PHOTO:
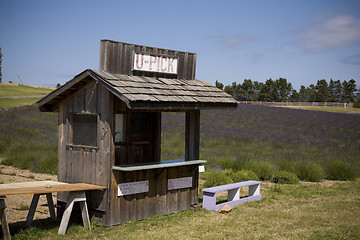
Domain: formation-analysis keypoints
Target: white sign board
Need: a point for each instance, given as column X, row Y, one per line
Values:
column 133, row 188
column 154, row 63
column 178, row 183
column 202, row 168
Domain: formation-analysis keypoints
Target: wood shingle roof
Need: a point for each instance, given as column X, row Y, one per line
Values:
column 140, row 92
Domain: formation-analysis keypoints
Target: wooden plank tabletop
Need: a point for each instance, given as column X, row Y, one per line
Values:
column 41, row 188
column 29, row 184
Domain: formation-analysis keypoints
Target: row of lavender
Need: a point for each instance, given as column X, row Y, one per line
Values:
column 233, row 138
column 28, row 139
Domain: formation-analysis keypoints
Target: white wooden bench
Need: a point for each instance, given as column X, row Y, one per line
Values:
column 234, row 199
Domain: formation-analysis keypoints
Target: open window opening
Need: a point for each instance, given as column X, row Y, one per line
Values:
column 172, row 136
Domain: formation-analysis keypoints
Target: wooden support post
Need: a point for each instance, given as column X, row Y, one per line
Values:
column 192, row 135
column 4, row 222
column 34, row 203
column 74, row 197
column 51, row 206
column 32, row 209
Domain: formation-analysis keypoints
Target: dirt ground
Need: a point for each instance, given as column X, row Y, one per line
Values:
column 17, row 206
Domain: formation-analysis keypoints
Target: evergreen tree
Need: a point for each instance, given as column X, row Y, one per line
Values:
column 349, row 89
column 0, row 66
column 219, row 85
column 295, row 96
column 284, row 89
column 246, row 90
column 321, row 91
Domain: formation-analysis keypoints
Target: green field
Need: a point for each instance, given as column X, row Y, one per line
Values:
column 22, row 90
column 8, row 91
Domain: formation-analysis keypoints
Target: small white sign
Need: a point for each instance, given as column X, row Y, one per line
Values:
column 178, row 183
column 154, row 63
column 133, row 188
column 202, row 168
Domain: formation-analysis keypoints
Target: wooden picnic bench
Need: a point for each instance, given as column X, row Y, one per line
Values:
column 76, row 194
column 234, row 199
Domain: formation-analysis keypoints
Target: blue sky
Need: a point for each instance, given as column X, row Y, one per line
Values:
column 49, row 42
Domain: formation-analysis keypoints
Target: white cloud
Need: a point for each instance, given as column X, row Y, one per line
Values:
column 330, row 33
column 353, row 60
column 236, row 40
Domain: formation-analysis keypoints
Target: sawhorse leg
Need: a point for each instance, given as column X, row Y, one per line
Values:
column 74, row 197
column 4, row 222
column 33, row 206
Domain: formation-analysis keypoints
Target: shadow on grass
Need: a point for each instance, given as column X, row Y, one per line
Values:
column 39, row 225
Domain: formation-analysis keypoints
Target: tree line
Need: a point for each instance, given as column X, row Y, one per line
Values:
column 280, row 90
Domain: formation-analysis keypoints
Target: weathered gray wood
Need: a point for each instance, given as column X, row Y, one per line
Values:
column 117, row 57
column 194, row 172
column 152, row 194
column 135, row 89
column 157, row 165
column 106, row 153
column 192, row 135
column 183, row 201
column 117, row 89
column 161, row 190
column 4, row 221
column 140, row 198
column 172, row 198
column 74, row 197
column 85, row 214
column 91, row 97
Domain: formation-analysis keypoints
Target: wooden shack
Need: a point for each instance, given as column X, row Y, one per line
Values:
column 110, row 130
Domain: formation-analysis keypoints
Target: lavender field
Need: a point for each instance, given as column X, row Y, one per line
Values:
column 28, row 139
column 229, row 138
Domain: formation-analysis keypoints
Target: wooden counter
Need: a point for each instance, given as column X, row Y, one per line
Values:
column 157, row 165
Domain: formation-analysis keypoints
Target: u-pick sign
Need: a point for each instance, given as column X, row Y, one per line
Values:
column 154, row 63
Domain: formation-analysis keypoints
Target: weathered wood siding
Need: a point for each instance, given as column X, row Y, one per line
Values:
column 158, row 200
column 118, row 57
column 87, row 164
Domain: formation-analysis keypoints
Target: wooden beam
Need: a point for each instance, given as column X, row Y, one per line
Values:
column 192, row 135
column 4, row 221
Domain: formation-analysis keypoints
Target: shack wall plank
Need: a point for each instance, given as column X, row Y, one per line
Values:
column 172, row 195
column 152, row 194
column 161, row 181
column 182, row 194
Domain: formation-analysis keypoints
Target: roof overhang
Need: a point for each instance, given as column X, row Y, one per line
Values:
column 151, row 93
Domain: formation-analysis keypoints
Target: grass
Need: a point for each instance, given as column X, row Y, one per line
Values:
column 22, row 90
column 303, row 211
column 328, row 109
column 6, row 103
column 28, row 139
column 9, row 90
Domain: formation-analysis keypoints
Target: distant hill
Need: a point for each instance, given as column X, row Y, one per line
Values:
column 10, row 89
column 16, row 95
